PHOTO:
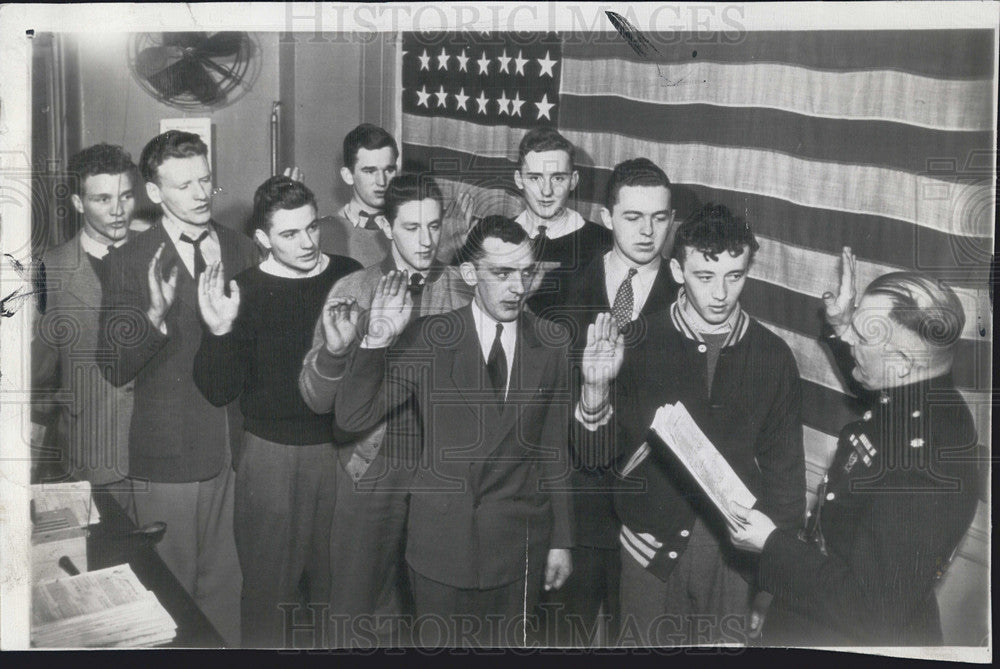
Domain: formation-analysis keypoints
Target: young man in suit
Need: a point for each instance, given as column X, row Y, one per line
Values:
column 357, row 229
column 92, row 429
column 546, row 176
column 681, row 581
column 372, row 492
column 180, row 445
column 252, row 350
column 900, row 493
column 487, row 525
column 632, row 281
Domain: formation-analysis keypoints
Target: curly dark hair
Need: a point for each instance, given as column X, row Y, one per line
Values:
column 711, row 230
column 100, row 159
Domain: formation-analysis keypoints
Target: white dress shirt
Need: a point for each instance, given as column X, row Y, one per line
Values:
column 210, row 249
column 96, row 249
column 486, row 329
column 352, row 212
column 615, row 271
column 563, row 224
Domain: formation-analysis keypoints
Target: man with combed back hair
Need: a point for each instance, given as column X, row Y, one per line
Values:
column 181, row 446
column 901, row 490
column 252, row 350
column 92, row 429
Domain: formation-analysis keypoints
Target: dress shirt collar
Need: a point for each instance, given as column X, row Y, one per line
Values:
column 566, row 222
column 486, row 329
column 616, row 269
column 352, row 212
column 175, row 229
column 97, row 249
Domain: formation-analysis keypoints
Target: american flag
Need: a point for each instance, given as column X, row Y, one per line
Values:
column 880, row 140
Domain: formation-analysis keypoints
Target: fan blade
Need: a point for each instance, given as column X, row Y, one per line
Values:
column 201, row 84
column 185, row 40
column 171, row 81
column 150, row 61
column 222, row 44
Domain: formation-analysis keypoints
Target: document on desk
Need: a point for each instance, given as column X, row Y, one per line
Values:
column 74, row 495
column 108, row 607
column 678, row 430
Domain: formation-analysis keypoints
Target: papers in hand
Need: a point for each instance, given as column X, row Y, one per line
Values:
column 675, row 426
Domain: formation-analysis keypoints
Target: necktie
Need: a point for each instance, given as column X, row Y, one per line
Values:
column 541, row 232
column 369, row 220
column 416, row 288
column 497, row 367
column 624, row 301
column 199, row 259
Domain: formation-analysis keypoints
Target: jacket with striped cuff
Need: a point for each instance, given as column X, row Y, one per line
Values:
column 752, row 417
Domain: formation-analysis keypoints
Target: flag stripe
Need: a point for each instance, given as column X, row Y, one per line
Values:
column 945, row 54
column 889, row 243
column 803, row 314
column 932, row 203
column 893, row 146
column 809, row 271
column 869, row 95
column 860, row 189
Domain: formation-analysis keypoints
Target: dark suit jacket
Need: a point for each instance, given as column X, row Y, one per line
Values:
column 176, row 434
column 484, row 498
column 593, row 500
column 92, row 422
column 889, row 524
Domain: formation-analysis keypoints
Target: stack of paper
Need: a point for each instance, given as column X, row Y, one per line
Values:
column 74, row 496
column 675, row 426
column 104, row 608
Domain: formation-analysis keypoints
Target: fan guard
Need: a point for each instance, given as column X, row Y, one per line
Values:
column 195, row 71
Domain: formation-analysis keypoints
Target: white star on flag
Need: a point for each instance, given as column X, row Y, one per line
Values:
column 484, row 63
column 546, row 64
column 482, row 101
column 443, row 60
column 441, row 96
column 425, row 61
column 519, row 63
column 504, row 102
column 422, row 96
column 515, row 104
column 504, row 61
column 462, row 60
column 460, row 99
column 544, row 107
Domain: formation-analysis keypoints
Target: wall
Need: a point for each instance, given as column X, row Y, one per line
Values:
column 339, row 81
column 327, row 85
column 117, row 110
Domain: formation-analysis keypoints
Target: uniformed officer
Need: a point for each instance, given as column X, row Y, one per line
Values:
column 902, row 488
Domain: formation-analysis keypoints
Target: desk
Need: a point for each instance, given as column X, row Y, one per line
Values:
column 111, row 543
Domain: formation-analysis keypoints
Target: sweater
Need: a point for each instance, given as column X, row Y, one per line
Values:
column 567, row 256
column 259, row 360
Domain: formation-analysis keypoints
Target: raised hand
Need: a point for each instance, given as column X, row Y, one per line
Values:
column 161, row 291
column 392, row 305
column 602, row 359
column 340, row 324
column 294, row 173
column 840, row 307
column 466, row 208
column 217, row 310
